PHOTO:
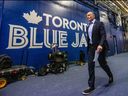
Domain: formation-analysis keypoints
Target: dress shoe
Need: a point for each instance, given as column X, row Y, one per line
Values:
column 110, row 81
column 88, row 90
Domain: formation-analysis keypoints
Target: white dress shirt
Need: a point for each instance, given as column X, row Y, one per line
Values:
column 90, row 28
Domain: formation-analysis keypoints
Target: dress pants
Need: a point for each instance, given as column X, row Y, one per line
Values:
column 91, row 64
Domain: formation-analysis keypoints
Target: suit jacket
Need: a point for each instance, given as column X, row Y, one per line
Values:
column 98, row 35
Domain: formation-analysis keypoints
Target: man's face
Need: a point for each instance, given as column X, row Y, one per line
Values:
column 90, row 16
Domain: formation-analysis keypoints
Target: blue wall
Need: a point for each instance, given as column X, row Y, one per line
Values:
column 1, row 7
column 114, row 33
column 17, row 35
column 28, row 29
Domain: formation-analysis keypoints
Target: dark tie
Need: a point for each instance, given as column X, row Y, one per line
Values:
column 90, row 23
column 90, row 32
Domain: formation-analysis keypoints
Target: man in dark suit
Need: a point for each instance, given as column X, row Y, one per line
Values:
column 97, row 45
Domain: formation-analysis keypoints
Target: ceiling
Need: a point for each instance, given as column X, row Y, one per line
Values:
column 118, row 6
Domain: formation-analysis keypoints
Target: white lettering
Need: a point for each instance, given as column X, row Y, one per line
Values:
column 54, row 21
column 59, row 22
column 73, row 25
column 17, row 37
column 46, row 38
column 65, row 23
column 76, row 44
column 54, row 36
column 48, row 16
column 85, row 26
column 80, row 26
column 83, row 41
column 63, row 39
column 33, row 43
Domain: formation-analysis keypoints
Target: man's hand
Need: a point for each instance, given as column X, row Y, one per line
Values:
column 99, row 48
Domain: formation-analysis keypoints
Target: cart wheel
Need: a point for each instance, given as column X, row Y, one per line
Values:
column 3, row 82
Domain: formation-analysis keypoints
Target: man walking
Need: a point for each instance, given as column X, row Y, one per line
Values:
column 97, row 44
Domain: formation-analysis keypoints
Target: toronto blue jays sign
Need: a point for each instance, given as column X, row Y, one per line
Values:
column 29, row 28
column 20, row 33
